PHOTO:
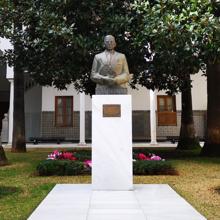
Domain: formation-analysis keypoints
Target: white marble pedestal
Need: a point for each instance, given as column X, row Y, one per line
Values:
column 111, row 144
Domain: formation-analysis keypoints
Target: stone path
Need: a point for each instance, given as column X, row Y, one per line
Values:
column 145, row 202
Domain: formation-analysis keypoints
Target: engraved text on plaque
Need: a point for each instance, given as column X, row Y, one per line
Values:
column 111, row 110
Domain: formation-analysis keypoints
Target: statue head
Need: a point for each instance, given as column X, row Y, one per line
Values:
column 109, row 42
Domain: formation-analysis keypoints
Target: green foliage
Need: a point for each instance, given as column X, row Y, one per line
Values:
column 179, row 37
column 75, row 168
column 146, row 167
column 82, row 155
column 60, row 168
column 72, row 168
column 59, row 40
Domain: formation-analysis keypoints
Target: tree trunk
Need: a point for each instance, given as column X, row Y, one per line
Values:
column 18, row 142
column 187, row 138
column 3, row 158
column 212, row 142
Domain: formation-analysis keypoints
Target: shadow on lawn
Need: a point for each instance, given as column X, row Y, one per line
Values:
column 8, row 190
column 218, row 190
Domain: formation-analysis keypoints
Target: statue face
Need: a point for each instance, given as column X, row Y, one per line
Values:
column 109, row 42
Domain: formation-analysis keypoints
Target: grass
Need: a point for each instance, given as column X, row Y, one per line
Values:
column 21, row 190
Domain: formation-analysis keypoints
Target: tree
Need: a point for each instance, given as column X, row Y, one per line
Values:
column 210, row 53
column 199, row 21
column 11, row 23
column 61, row 39
column 172, row 55
column 55, row 41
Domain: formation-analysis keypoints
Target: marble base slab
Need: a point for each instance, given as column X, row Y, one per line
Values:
column 145, row 202
column 112, row 143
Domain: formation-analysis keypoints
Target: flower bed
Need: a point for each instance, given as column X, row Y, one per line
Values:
column 79, row 163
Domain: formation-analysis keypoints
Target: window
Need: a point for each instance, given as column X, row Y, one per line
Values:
column 63, row 111
column 166, row 110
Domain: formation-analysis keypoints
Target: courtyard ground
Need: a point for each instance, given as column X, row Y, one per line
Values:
column 21, row 190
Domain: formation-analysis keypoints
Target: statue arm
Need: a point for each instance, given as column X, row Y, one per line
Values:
column 95, row 76
column 124, row 76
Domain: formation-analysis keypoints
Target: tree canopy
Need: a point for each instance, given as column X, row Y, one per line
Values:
column 182, row 37
column 172, row 33
column 59, row 38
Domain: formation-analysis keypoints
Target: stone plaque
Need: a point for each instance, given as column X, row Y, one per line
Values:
column 111, row 110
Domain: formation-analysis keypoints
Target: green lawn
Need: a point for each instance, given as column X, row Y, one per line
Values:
column 21, row 190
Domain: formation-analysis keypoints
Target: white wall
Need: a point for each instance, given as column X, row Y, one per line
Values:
column 140, row 97
column 49, row 93
column 4, row 45
column 199, row 91
column 33, row 99
column 33, row 111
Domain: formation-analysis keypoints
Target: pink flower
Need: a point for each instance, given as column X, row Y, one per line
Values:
column 88, row 163
column 142, row 156
column 56, row 152
column 56, row 155
column 67, row 156
column 154, row 157
column 51, row 157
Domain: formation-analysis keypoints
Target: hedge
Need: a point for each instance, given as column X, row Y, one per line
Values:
column 61, row 168
column 71, row 168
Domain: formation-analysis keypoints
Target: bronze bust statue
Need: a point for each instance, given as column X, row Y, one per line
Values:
column 110, row 70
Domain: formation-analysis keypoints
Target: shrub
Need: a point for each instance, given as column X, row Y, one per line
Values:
column 148, row 167
column 82, row 155
column 75, row 168
column 71, row 168
column 61, row 168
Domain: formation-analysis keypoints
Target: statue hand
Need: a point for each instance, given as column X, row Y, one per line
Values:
column 107, row 71
column 108, row 80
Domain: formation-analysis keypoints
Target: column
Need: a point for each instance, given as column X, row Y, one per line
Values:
column 82, row 119
column 153, row 122
column 11, row 111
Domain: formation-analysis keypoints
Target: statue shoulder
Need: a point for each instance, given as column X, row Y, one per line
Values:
column 120, row 54
column 100, row 55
